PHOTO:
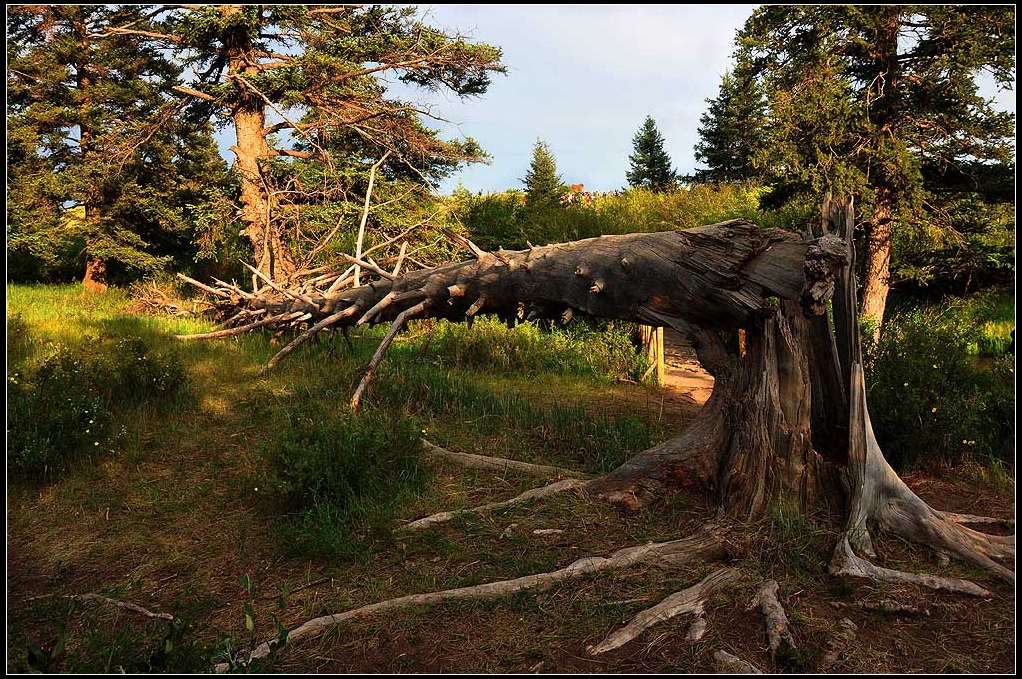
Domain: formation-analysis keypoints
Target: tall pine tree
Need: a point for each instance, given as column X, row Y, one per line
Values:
column 650, row 165
column 99, row 150
column 883, row 102
column 732, row 130
column 295, row 81
column 543, row 185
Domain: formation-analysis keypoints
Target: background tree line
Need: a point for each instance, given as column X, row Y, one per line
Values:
column 114, row 171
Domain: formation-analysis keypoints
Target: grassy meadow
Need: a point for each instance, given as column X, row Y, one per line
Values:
column 171, row 474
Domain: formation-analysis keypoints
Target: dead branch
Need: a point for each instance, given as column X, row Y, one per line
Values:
column 686, row 602
column 365, row 212
column 125, row 605
column 702, row 545
column 399, row 323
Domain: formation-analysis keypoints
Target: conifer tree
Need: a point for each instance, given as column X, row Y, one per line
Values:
column 882, row 102
column 301, row 81
column 543, row 186
column 98, row 147
column 731, row 130
column 650, row 165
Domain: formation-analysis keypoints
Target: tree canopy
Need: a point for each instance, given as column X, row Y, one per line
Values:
column 101, row 163
column 882, row 102
column 732, row 130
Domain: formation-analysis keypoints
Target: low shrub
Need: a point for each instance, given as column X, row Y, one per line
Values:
column 602, row 350
column 64, row 409
column 929, row 399
column 506, row 220
column 344, row 480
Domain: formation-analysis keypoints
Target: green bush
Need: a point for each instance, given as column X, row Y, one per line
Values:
column 505, row 220
column 64, row 410
column 344, row 480
column 929, row 400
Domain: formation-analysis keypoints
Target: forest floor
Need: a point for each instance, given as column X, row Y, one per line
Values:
column 173, row 521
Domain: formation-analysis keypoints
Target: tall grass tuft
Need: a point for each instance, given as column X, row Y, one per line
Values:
column 344, row 479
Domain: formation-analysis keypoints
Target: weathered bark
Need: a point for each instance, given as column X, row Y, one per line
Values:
column 751, row 444
column 94, row 279
column 272, row 256
column 877, row 270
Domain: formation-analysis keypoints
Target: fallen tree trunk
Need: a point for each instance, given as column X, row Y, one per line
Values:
column 787, row 417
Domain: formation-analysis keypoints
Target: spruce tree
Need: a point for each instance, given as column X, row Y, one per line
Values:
column 99, row 149
column 543, row 186
column 881, row 102
column 650, row 165
column 731, row 130
column 299, row 82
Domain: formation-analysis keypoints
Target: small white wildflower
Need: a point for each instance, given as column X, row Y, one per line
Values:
column 96, row 443
column 933, row 410
column 905, row 385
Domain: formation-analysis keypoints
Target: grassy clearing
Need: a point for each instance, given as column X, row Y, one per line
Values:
column 222, row 502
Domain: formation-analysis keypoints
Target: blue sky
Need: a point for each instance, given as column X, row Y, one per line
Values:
column 583, row 78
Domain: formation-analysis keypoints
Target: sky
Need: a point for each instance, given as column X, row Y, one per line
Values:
column 583, row 78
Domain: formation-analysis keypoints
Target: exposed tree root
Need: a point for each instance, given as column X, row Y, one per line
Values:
column 702, row 545
column 686, row 602
column 499, row 464
column 529, row 495
column 977, row 520
column 888, row 606
column 846, row 563
column 779, row 637
column 880, row 496
column 730, row 664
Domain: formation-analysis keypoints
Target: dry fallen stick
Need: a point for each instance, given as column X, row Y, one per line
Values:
column 99, row 598
column 688, row 601
column 702, row 545
column 778, row 635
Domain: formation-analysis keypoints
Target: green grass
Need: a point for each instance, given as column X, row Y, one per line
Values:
column 298, row 417
column 220, row 504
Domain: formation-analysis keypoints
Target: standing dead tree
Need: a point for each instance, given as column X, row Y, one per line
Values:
column 787, row 418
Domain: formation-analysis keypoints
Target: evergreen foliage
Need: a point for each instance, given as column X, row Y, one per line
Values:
column 650, row 165
column 543, row 186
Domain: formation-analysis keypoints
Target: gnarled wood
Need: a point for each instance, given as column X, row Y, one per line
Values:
column 703, row 545
column 688, row 601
